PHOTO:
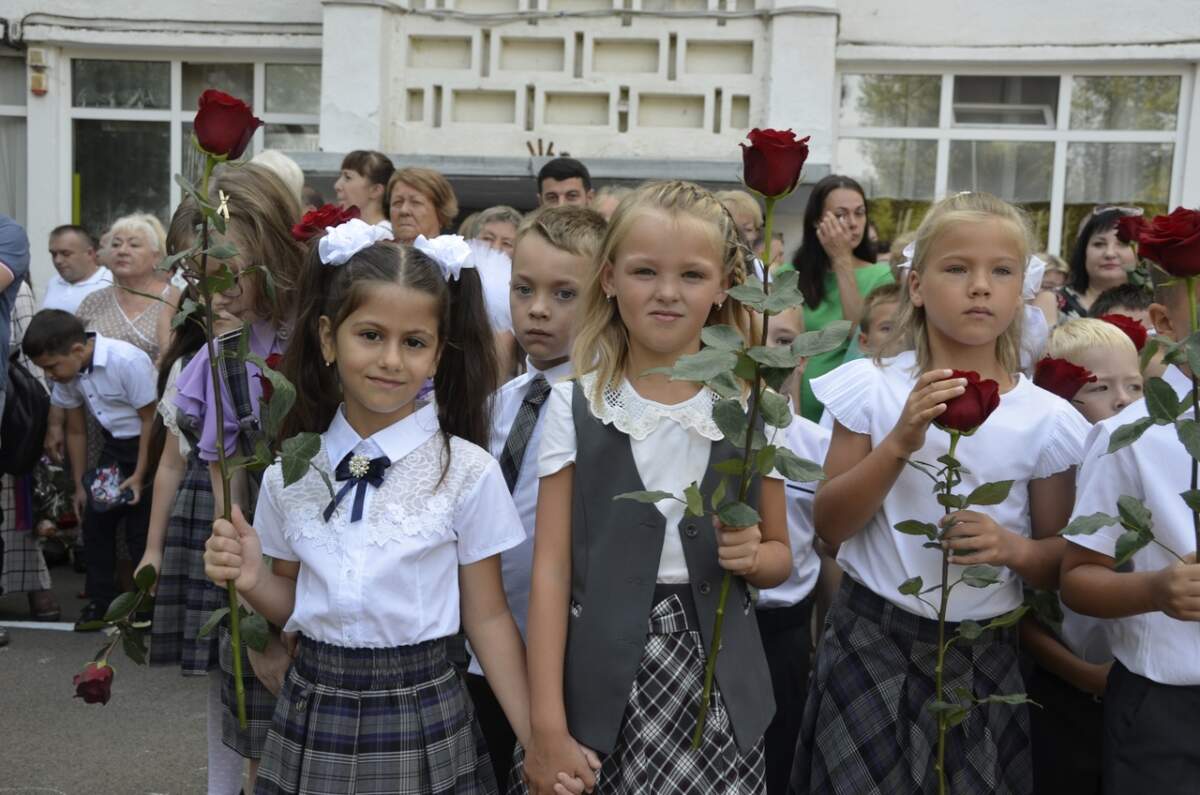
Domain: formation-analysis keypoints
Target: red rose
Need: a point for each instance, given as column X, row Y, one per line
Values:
column 224, row 124
column 1129, row 228
column 1061, row 377
column 94, row 683
column 771, row 163
column 967, row 412
column 1173, row 241
column 314, row 222
column 267, row 388
column 1135, row 330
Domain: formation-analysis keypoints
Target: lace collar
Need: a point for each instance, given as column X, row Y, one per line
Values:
column 630, row 413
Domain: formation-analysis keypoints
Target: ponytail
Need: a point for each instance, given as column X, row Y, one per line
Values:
column 466, row 373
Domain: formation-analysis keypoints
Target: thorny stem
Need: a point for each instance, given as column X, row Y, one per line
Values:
column 938, row 684
column 1191, row 290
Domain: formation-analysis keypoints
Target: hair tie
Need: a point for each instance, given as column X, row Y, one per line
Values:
column 450, row 252
column 343, row 241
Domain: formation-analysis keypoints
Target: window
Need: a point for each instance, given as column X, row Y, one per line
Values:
column 1055, row 144
column 128, row 111
column 12, row 137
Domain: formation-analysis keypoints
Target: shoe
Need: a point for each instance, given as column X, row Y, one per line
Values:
column 3, row 637
column 43, row 606
column 93, row 611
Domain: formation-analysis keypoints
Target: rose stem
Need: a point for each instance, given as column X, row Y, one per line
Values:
column 941, row 649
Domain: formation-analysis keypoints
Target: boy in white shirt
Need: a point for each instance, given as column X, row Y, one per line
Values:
column 552, row 260
column 1152, row 701
column 116, row 381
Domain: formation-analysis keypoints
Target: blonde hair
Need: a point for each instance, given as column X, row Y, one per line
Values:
column 1053, row 262
column 469, row 227
column 883, row 294
column 144, row 223
column 617, row 192
column 602, row 342
column 575, row 230
column 285, row 168
column 1076, row 337
column 501, row 213
column 911, row 324
column 739, row 201
column 435, row 187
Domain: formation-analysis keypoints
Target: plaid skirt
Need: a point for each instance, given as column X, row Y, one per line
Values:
column 186, row 597
column 374, row 721
column 654, row 751
column 867, row 727
column 260, row 702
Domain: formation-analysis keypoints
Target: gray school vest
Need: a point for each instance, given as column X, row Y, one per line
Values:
column 615, row 547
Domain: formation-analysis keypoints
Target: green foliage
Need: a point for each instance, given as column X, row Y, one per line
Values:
column 708, row 363
column 723, row 337
column 989, row 493
column 829, row 338
column 1188, row 432
column 144, row 578
column 1129, row 433
column 797, row 469
column 255, row 632
column 649, row 497
column 296, row 455
column 1161, row 403
column 912, row 586
column 121, row 607
column 695, row 502
column 749, row 293
column 1087, row 525
column 185, row 311
column 283, row 395
column 737, row 514
column 914, row 528
column 775, row 409
column 214, row 618
column 980, row 576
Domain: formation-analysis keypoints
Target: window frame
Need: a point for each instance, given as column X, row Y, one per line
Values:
column 20, row 112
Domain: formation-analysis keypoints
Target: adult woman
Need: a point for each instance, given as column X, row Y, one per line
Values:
column 1098, row 261
column 420, row 202
column 498, row 227
column 836, row 268
column 363, row 183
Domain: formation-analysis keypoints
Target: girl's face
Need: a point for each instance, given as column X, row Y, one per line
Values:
column 849, row 208
column 384, row 351
column 1118, row 383
column 499, row 235
column 1053, row 280
column 1108, row 259
column 970, row 283
column 782, row 331
column 355, row 190
column 665, row 276
column 133, row 256
column 240, row 298
column 750, row 228
column 412, row 214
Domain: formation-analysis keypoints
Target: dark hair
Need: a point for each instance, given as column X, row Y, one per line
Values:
column 52, row 332
column 310, row 195
column 188, row 337
column 1123, row 296
column 1098, row 224
column 564, row 168
column 375, row 166
column 466, row 373
column 63, row 229
column 810, row 261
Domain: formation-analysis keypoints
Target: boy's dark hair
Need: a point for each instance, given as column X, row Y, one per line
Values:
column 63, row 229
column 564, row 168
column 1123, row 296
column 52, row 332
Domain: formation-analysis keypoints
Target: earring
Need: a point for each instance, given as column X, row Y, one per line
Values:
column 329, row 363
column 609, row 296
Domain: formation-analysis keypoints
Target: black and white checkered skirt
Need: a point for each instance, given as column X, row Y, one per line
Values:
column 374, row 721
column 654, row 751
column 867, row 727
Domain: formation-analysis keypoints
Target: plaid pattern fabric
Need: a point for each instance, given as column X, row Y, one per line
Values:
column 260, row 702
column 866, row 727
column 374, row 721
column 654, row 752
column 24, row 567
column 237, row 381
column 522, row 429
column 186, row 597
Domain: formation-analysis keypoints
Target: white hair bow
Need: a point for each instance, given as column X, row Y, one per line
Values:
column 450, row 252
column 1035, row 268
column 343, row 241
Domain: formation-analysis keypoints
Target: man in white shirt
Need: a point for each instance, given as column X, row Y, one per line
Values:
column 552, row 259
column 79, row 271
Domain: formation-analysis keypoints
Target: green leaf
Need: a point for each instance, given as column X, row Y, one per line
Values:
column 1006, row 698
column 186, row 310
column 765, row 461
column 949, row 461
column 1161, row 403
column 1134, row 515
column 745, row 367
column 700, row 367
column 169, row 263
column 1009, row 618
column 776, row 377
column 784, row 293
column 255, row 632
column 797, row 469
column 718, row 495
column 731, row 418
column 952, row 501
column 221, row 281
column 773, row 356
column 190, row 190
column 749, row 293
column 723, row 337
column 912, row 586
column 730, row 466
column 649, row 497
column 1192, row 498
column 914, row 528
column 1129, row 543
column 223, row 250
column 775, row 409
column 283, row 395
column 695, row 502
column 1192, row 350
column 980, row 576
column 1189, row 434
column 133, row 641
column 1089, row 524
column 737, row 514
column 296, row 454
column 145, row 578
column 121, row 607
column 725, row 385
column 1153, row 345
column 970, row 630
column 214, row 618
column 1128, row 434
column 989, row 493
column 91, row 626
column 829, row 338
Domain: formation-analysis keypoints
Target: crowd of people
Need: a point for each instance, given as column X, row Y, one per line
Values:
column 481, row 402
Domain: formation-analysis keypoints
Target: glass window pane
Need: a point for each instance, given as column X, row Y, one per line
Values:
column 191, row 159
column 232, row 78
column 12, row 81
column 1132, row 175
column 293, row 137
column 1005, row 100
column 1016, row 172
column 133, row 173
column 121, row 84
column 891, row 100
column 1125, row 103
column 293, row 88
column 897, row 176
column 12, row 167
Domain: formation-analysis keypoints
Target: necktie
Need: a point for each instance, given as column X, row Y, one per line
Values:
column 358, row 471
column 522, row 430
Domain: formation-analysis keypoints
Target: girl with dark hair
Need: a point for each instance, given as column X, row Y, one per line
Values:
column 1099, row 261
column 836, row 266
column 362, row 183
column 392, row 533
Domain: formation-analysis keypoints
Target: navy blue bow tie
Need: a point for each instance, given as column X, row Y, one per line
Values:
column 358, row 471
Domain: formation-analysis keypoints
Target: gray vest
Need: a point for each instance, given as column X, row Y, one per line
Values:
column 615, row 548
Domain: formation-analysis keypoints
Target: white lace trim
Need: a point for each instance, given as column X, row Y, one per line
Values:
column 638, row 417
column 410, row 504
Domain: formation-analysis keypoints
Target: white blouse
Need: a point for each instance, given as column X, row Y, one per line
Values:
column 390, row 579
column 170, row 412
column 1033, row 434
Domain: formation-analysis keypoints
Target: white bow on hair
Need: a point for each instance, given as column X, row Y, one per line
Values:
column 1035, row 268
column 450, row 252
column 343, row 241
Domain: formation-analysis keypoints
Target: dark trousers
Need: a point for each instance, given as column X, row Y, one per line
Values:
column 1067, row 733
column 100, row 527
column 496, row 732
column 787, row 642
column 1151, row 736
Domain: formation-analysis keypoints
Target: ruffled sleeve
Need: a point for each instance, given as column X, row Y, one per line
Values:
column 195, row 396
column 1065, row 442
column 848, row 392
column 557, row 448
